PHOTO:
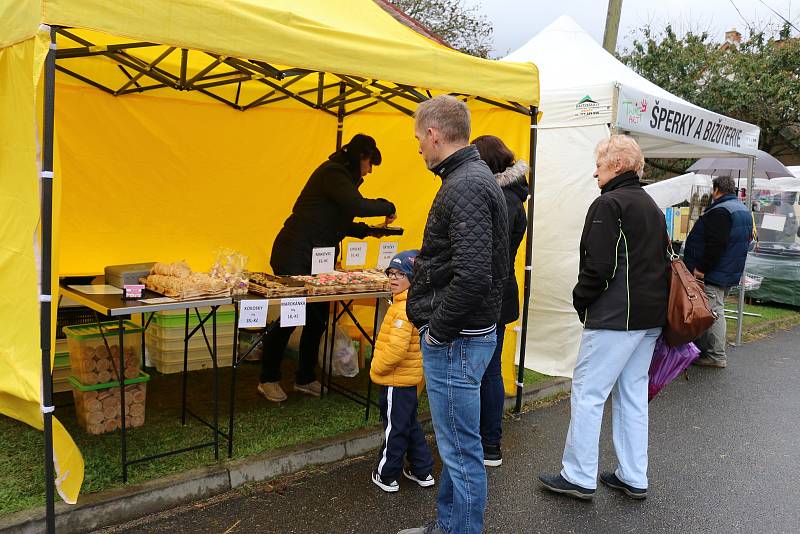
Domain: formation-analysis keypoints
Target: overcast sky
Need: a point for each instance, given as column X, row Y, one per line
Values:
column 516, row 21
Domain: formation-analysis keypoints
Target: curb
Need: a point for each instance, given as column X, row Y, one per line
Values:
column 120, row 505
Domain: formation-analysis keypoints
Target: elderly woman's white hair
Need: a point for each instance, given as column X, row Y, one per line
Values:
column 621, row 149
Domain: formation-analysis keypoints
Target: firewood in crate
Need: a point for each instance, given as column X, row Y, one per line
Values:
column 90, row 364
column 137, row 420
column 104, row 376
column 92, row 405
column 95, row 417
column 96, row 429
column 87, row 353
column 131, row 372
column 138, row 396
column 137, row 409
column 103, row 364
column 110, row 425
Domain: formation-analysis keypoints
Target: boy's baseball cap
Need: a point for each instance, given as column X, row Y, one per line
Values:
column 404, row 262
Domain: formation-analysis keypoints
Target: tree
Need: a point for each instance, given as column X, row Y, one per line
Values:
column 756, row 81
column 462, row 27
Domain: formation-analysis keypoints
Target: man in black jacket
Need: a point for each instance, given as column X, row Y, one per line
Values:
column 621, row 298
column 455, row 300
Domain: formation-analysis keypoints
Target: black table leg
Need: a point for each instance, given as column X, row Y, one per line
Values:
column 123, row 424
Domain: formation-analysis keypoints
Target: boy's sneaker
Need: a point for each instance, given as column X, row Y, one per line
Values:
column 559, row 484
column 612, row 481
column 425, row 482
column 312, row 388
column 387, row 486
column 272, row 391
column 492, row 455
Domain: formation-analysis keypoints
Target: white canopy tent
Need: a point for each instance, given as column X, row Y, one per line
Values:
column 674, row 191
column 586, row 95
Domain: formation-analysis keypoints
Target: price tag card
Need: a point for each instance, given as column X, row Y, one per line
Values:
column 323, row 260
column 388, row 250
column 253, row 313
column 293, row 311
column 356, row 253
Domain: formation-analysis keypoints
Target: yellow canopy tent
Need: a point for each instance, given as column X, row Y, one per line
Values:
column 180, row 127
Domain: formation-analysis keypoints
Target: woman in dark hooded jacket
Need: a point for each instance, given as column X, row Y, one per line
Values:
column 511, row 175
column 321, row 217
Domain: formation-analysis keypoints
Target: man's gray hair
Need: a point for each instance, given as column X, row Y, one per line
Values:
column 724, row 184
column 448, row 115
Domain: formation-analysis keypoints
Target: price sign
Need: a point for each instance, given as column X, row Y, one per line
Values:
column 388, row 250
column 356, row 253
column 293, row 311
column 323, row 260
column 253, row 313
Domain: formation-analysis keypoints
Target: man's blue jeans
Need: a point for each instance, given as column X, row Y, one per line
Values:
column 617, row 363
column 453, row 374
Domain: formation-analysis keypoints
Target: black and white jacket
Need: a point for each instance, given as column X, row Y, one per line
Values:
column 623, row 281
column 461, row 270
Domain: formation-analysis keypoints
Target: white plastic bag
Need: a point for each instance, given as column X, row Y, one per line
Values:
column 344, row 358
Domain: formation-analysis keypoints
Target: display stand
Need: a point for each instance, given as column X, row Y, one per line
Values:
column 346, row 300
column 115, row 306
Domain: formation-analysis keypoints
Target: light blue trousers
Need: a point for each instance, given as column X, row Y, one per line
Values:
column 617, row 363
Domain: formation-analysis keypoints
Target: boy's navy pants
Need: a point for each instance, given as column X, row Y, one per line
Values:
column 402, row 434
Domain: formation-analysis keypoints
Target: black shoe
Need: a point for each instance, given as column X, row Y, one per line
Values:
column 559, row 484
column 492, row 455
column 611, row 480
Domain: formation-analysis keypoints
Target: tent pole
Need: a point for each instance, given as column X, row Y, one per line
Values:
column 340, row 116
column 740, row 311
column 45, row 297
column 528, row 261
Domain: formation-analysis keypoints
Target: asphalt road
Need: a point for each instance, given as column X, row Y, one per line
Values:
column 723, row 458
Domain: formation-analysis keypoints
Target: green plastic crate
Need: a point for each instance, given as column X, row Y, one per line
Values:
column 177, row 318
column 143, row 377
column 111, row 328
column 61, row 360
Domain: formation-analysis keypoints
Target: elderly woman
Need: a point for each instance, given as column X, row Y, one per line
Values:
column 621, row 299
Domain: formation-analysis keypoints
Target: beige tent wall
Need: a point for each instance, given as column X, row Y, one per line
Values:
column 564, row 189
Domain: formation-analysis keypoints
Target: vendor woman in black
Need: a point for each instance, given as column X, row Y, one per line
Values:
column 322, row 216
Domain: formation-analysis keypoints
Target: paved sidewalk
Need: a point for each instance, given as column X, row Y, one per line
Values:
column 724, row 458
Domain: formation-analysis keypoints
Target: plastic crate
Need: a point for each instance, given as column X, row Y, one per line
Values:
column 177, row 318
column 173, row 333
column 61, row 372
column 98, row 406
column 197, row 341
column 90, row 359
column 168, row 362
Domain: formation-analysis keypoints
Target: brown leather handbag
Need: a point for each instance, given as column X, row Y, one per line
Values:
column 688, row 311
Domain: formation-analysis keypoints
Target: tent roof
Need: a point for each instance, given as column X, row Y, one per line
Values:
column 569, row 57
column 581, row 84
column 353, row 37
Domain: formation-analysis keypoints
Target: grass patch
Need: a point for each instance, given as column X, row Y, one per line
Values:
column 260, row 426
column 772, row 318
column 531, row 377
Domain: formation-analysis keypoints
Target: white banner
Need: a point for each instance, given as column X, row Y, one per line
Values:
column 643, row 113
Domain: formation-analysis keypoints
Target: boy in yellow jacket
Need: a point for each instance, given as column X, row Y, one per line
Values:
column 397, row 368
